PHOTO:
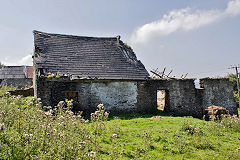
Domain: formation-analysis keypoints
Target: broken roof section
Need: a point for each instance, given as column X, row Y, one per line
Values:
column 87, row 57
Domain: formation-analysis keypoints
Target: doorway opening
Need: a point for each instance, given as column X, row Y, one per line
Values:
column 161, row 99
column 71, row 96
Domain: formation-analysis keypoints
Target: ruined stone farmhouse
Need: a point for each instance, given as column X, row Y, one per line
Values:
column 16, row 76
column 92, row 70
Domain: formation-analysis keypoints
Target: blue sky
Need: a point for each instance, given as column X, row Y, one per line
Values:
column 198, row 37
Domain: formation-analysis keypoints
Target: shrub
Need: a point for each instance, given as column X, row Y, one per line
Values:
column 191, row 128
column 29, row 132
column 231, row 122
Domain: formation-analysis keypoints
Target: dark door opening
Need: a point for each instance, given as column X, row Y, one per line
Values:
column 161, row 99
column 73, row 96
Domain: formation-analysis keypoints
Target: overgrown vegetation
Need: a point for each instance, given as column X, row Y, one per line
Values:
column 233, row 80
column 4, row 89
column 30, row 131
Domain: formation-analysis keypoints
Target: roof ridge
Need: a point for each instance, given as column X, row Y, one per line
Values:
column 35, row 32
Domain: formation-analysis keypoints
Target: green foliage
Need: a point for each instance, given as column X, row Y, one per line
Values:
column 30, row 131
column 232, row 122
column 191, row 128
column 233, row 80
column 235, row 94
column 1, row 65
column 4, row 89
column 57, row 76
column 129, row 47
column 50, row 76
column 68, row 100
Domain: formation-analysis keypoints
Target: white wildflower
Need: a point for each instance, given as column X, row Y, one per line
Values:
column 61, row 124
column 114, row 135
column 106, row 114
column 48, row 113
column 2, row 126
column 100, row 106
column 61, row 118
column 92, row 154
column 82, row 144
column 60, row 135
column 27, row 136
column 40, row 111
column 69, row 113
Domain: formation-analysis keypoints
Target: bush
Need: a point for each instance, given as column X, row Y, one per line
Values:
column 231, row 122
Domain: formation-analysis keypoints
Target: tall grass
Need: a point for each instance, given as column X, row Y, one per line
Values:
column 29, row 130
column 4, row 89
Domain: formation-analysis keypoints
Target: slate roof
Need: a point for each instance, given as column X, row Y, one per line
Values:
column 87, row 57
column 8, row 72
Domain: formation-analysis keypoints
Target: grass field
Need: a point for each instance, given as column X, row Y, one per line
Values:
column 30, row 132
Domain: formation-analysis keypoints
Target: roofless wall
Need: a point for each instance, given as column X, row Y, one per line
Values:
column 139, row 96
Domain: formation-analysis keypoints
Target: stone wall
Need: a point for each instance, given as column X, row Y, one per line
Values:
column 24, row 92
column 121, row 96
column 117, row 96
column 218, row 92
column 18, row 82
column 181, row 96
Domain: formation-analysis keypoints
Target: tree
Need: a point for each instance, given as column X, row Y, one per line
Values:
column 1, row 65
column 233, row 80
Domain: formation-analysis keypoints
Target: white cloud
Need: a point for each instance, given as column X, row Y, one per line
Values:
column 233, row 7
column 183, row 19
column 27, row 60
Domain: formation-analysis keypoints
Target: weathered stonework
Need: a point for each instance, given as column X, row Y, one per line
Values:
column 181, row 96
column 117, row 96
column 218, row 92
column 17, row 82
column 140, row 96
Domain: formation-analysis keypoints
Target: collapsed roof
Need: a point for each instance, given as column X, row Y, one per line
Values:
column 87, row 57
